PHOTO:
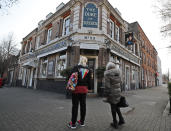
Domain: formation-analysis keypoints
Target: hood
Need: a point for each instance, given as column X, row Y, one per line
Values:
column 112, row 72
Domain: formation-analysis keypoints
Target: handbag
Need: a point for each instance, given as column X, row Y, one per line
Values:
column 123, row 102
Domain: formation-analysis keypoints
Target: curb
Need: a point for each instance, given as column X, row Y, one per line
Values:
column 166, row 110
column 127, row 110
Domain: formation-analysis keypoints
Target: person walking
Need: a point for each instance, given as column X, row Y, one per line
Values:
column 80, row 92
column 112, row 86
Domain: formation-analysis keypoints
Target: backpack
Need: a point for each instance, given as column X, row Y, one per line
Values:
column 72, row 82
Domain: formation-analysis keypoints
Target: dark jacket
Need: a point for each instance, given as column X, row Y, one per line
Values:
column 112, row 83
column 84, row 79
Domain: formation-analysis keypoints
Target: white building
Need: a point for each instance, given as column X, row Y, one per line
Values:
column 159, row 71
column 80, row 27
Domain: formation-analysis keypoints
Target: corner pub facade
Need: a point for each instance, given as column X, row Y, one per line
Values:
column 91, row 28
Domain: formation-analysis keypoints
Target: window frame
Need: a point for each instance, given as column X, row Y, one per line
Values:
column 50, row 71
column 66, row 27
column 111, row 25
column 49, row 35
column 43, row 61
column 117, row 33
column 38, row 42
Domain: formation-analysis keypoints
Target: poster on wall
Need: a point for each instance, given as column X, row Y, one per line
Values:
column 129, row 38
column 90, row 16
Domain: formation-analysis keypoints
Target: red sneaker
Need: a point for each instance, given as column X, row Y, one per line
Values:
column 80, row 123
column 72, row 126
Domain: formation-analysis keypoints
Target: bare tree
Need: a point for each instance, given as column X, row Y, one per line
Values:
column 7, row 51
column 165, row 12
column 6, row 4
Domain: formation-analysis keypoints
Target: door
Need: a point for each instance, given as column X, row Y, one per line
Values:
column 91, row 65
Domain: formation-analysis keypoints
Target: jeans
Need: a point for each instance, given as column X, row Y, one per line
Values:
column 76, row 99
column 114, row 110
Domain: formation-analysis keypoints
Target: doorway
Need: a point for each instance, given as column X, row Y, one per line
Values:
column 91, row 65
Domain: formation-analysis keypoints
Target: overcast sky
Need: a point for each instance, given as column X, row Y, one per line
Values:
column 24, row 17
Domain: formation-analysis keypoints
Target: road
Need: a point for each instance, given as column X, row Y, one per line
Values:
column 24, row 109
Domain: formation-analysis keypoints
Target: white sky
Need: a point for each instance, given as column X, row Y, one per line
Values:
column 24, row 17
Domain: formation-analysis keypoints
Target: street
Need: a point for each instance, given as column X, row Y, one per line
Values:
column 24, row 109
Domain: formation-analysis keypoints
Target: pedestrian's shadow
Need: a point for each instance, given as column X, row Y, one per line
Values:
column 110, row 128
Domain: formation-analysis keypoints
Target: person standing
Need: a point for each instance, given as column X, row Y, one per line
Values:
column 80, row 92
column 112, row 86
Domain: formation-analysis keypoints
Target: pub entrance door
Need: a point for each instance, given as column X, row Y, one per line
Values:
column 91, row 65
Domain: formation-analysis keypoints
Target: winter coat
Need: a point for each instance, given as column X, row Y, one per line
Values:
column 112, row 84
column 84, row 79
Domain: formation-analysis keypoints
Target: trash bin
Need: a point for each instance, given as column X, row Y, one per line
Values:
column 101, row 91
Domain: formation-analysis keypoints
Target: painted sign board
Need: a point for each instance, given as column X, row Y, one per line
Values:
column 90, row 16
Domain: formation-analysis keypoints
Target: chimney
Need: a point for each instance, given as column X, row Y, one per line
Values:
column 60, row 6
column 49, row 15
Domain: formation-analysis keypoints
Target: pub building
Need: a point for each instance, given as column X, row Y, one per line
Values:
column 91, row 28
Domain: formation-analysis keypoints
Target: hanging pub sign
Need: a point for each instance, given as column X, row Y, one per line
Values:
column 90, row 16
column 129, row 39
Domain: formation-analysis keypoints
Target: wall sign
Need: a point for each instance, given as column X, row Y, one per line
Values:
column 124, row 53
column 53, row 47
column 90, row 16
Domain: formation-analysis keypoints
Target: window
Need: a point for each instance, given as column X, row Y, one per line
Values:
column 37, row 41
column 133, row 75
column 111, row 29
column 23, row 49
column 66, row 25
column 26, row 47
column 144, row 59
column 117, row 33
column 60, row 65
column 49, row 34
column 50, row 68
column 142, row 41
column 30, row 46
column 44, row 67
column 20, row 73
column 142, row 73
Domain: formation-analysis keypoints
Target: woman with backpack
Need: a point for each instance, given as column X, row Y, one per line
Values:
column 79, row 93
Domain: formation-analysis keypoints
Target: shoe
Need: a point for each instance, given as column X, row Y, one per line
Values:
column 121, row 122
column 115, row 125
column 72, row 126
column 80, row 123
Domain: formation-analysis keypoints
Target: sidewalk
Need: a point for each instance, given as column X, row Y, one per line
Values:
column 22, row 109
